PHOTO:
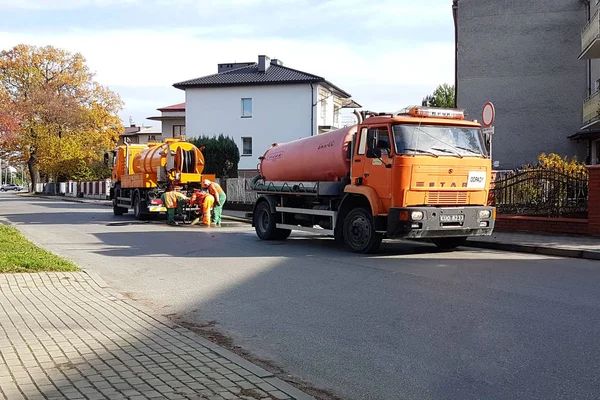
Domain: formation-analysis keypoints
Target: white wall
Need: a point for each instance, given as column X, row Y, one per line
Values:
column 280, row 113
column 325, row 96
column 167, row 127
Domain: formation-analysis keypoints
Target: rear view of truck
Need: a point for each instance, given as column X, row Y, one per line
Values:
column 142, row 173
column 422, row 173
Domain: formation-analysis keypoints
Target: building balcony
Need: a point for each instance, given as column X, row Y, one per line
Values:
column 591, row 111
column 590, row 38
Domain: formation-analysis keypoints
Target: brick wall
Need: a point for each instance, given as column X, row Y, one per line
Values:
column 519, row 223
column 576, row 226
column 594, row 200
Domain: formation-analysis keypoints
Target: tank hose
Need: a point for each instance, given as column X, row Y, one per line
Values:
column 254, row 181
column 188, row 164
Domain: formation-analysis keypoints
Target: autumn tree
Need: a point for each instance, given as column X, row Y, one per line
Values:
column 66, row 120
column 443, row 96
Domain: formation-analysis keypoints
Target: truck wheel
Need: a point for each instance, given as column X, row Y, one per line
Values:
column 359, row 232
column 449, row 243
column 116, row 209
column 137, row 207
column 264, row 224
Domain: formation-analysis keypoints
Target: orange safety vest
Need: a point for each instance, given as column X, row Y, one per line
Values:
column 171, row 199
column 215, row 189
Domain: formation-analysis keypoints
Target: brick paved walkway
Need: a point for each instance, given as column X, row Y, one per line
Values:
column 66, row 336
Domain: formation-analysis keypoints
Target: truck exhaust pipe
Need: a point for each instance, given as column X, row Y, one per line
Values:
column 359, row 118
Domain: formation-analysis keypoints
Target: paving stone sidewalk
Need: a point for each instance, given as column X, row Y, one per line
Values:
column 67, row 336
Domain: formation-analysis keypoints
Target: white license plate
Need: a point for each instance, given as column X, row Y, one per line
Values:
column 452, row 218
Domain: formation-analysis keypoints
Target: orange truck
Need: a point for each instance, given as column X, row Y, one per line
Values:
column 142, row 173
column 422, row 173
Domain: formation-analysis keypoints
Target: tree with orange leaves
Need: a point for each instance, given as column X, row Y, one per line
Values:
column 65, row 119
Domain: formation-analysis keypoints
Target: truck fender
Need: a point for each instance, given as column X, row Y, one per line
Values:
column 368, row 192
column 271, row 200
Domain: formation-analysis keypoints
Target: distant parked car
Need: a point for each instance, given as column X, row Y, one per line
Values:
column 11, row 186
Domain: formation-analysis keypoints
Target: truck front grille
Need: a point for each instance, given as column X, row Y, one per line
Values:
column 449, row 197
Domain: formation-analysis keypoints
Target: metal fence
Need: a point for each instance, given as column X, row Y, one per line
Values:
column 542, row 191
column 236, row 191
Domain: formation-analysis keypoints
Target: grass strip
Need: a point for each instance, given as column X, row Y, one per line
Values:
column 17, row 254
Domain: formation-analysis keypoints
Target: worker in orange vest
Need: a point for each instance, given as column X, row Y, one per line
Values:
column 171, row 201
column 219, row 194
column 204, row 201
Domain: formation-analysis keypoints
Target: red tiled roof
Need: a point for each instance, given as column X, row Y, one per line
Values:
column 174, row 107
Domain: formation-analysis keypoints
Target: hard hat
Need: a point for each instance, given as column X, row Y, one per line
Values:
column 207, row 182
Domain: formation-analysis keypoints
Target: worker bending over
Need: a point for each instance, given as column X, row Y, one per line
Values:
column 171, row 200
column 204, row 201
column 220, row 198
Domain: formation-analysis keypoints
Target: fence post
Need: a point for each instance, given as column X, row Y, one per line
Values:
column 594, row 200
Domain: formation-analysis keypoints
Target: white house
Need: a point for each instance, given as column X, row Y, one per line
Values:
column 259, row 103
column 140, row 134
column 172, row 119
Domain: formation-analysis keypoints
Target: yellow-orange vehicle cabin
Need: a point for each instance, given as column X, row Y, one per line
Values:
column 423, row 173
column 142, row 173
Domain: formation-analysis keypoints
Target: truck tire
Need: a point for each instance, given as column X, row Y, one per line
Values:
column 137, row 207
column 449, row 243
column 264, row 224
column 359, row 232
column 116, row 209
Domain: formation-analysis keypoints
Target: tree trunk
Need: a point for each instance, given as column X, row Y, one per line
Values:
column 34, row 173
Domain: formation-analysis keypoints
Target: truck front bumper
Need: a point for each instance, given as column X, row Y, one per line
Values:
column 434, row 222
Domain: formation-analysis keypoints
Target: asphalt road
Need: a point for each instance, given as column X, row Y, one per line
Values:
column 409, row 323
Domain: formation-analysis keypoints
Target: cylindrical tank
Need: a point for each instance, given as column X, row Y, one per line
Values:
column 316, row 158
column 149, row 160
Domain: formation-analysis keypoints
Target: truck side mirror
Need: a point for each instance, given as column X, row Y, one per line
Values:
column 106, row 159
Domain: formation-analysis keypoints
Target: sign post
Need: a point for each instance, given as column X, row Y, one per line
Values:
column 488, row 114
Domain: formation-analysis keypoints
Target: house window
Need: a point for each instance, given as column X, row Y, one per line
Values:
column 246, row 108
column 324, row 111
column 246, row 146
column 336, row 116
column 152, row 138
column 178, row 130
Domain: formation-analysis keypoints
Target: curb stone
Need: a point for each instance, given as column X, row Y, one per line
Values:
column 288, row 389
column 532, row 249
column 96, row 278
column 237, row 219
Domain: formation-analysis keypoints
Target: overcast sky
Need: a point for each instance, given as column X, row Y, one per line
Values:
column 386, row 53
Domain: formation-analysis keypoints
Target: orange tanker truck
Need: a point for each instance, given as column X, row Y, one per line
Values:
column 422, row 173
column 142, row 173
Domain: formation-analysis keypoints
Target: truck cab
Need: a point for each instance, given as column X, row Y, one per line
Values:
column 426, row 173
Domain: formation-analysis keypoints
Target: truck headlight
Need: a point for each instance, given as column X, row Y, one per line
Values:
column 485, row 214
column 416, row 215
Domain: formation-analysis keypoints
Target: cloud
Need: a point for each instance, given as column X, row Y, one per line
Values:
column 383, row 52
column 61, row 4
column 155, row 58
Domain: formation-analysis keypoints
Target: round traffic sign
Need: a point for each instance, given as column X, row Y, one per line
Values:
column 488, row 114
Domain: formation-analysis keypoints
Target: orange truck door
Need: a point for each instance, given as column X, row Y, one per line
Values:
column 371, row 168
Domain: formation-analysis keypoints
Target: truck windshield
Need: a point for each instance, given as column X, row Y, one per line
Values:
column 439, row 140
